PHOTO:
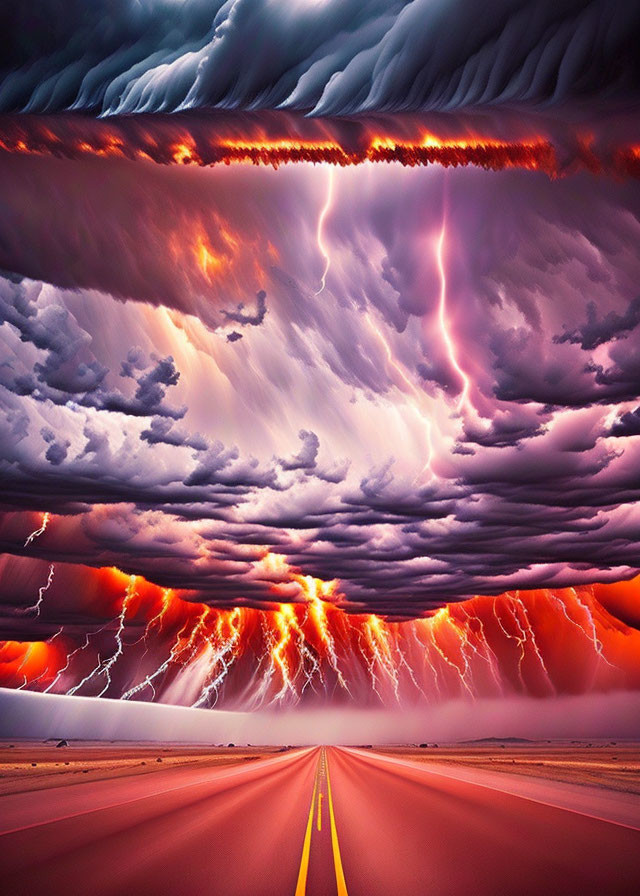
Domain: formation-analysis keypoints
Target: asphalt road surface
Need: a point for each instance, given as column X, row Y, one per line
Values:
column 313, row 822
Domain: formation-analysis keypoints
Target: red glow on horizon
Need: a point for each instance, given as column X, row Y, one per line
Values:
column 218, row 142
column 492, row 155
column 173, row 144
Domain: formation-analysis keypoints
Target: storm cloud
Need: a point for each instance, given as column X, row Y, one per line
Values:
column 333, row 58
column 421, row 383
column 338, row 433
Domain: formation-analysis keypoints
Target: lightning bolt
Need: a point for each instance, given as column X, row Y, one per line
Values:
column 223, row 655
column 174, row 654
column 592, row 638
column 531, row 635
column 403, row 662
column 377, row 637
column 320, row 230
column 369, row 663
column 40, row 531
column 310, row 666
column 105, row 668
column 423, row 647
column 487, row 654
column 191, row 647
column 417, row 394
column 284, row 634
column 35, row 608
column 319, row 615
column 27, row 655
column 525, row 635
column 113, row 659
column 95, row 671
column 285, row 626
column 266, row 659
column 67, row 664
column 442, row 319
column 441, row 619
column 157, row 620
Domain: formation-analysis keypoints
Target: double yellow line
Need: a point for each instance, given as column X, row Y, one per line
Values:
column 301, row 886
column 340, row 881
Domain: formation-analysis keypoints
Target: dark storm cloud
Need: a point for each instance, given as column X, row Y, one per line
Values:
column 60, row 53
column 216, row 466
column 305, row 459
column 152, row 384
column 240, row 316
column 338, row 57
column 67, row 372
column 510, row 427
column 56, row 453
column 569, row 381
column 597, row 331
column 392, row 550
column 163, row 431
column 627, row 425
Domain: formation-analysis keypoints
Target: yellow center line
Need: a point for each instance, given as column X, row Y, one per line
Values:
column 320, row 795
column 340, row 881
column 301, row 886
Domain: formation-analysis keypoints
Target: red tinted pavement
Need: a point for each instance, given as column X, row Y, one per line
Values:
column 321, row 822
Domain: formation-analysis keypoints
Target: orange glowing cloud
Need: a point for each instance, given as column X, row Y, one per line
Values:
column 323, row 143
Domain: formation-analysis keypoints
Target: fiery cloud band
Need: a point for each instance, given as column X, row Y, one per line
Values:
column 141, row 642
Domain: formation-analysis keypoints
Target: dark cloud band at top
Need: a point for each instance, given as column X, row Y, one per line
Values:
column 341, row 57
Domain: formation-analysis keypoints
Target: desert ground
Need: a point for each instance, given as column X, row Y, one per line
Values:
column 609, row 764
column 36, row 765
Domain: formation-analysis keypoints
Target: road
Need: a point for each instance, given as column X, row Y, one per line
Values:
column 312, row 822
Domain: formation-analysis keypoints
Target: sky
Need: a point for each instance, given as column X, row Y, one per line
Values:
column 319, row 364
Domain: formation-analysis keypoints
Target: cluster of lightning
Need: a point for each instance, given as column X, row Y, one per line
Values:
column 157, row 645
column 102, row 669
